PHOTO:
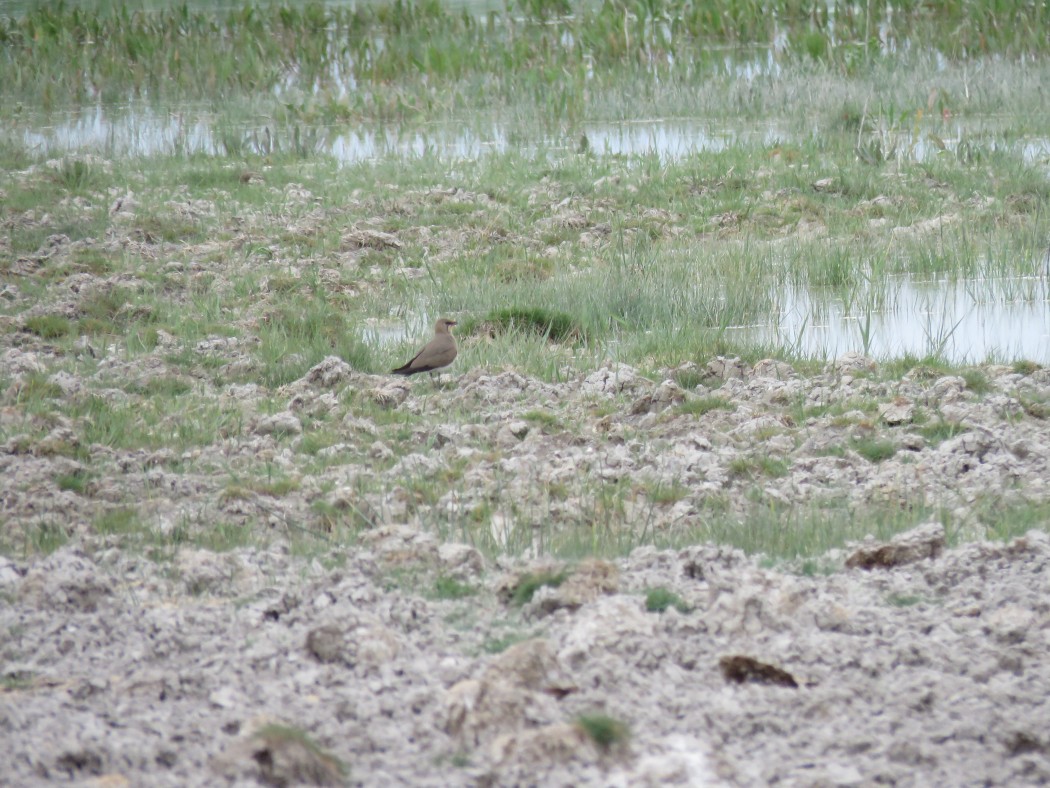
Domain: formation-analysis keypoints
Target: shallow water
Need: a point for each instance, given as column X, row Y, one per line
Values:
column 143, row 130
column 964, row 321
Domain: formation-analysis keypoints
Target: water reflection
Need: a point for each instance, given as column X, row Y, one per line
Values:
column 142, row 130
column 965, row 321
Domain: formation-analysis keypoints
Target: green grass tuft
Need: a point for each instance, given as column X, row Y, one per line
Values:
column 977, row 381
column 450, row 588
column 605, row 731
column 702, row 405
column 552, row 325
column 657, row 600
column 530, row 583
column 873, row 449
column 48, row 326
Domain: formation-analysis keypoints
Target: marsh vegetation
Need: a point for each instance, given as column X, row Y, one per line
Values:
column 202, row 203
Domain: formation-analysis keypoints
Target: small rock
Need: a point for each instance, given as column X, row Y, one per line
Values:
column 853, row 362
column 947, row 389
column 900, row 411
column 277, row 754
column 512, row 433
column 773, row 368
column 591, row 579
column 283, row 423
column 331, row 371
column 67, row 579
column 612, row 380
column 203, row 571
column 727, row 368
column 460, row 560
column 370, row 239
column 325, row 644
column 543, row 747
column 666, row 394
column 390, row 394
column 380, row 451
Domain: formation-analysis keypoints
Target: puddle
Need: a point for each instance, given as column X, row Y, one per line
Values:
column 141, row 130
column 387, row 334
column 144, row 131
column 968, row 321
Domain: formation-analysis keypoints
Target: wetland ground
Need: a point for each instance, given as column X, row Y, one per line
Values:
column 640, row 532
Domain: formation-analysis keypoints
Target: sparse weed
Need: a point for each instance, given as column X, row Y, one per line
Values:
column 904, row 600
column 873, row 449
column 446, row 587
column 530, row 583
column 940, row 430
column 494, row 645
column 701, row 405
column 657, row 600
column 605, row 731
column 977, row 381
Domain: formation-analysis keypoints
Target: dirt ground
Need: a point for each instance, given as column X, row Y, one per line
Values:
column 407, row 659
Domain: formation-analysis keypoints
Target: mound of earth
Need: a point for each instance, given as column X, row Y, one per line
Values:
column 409, row 661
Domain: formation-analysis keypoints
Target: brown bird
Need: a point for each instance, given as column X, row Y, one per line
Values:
column 438, row 353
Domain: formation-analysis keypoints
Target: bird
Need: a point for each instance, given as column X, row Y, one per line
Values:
column 437, row 354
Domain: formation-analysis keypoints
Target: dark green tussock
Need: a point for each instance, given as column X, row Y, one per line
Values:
column 657, row 600
column 551, row 325
column 48, row 326
column 530, row 583
column 605, row 731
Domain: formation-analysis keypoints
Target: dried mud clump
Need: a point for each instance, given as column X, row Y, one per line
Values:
column 916, row 545
column 742, row 670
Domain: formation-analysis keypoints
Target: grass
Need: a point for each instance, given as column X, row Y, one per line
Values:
column 702, row 405
column 248, row 50
column 77, row 482
column 605, row 731
column 555, row 326
column 450, row 588
column 48, row 326
column 939, row 431
column 498, row 645
column 905, row 600
column 761, row 465
column 874, row 450
column 657, row 600
column 119, row 522
column 530, row 583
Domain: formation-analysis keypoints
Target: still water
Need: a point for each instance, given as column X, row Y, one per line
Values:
column 964, row 321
